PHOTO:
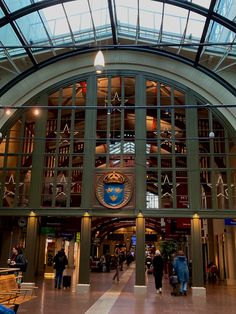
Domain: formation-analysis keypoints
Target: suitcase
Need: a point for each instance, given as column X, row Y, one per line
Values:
column 66, row 281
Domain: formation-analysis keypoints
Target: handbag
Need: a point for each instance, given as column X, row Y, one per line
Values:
column 174, row 279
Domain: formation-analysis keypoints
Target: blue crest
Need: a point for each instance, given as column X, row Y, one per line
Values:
column 113, row 193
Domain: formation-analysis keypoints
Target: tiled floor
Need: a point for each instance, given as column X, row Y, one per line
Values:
column 106, row 296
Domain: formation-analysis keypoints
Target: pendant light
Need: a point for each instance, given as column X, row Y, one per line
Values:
column 99, row 62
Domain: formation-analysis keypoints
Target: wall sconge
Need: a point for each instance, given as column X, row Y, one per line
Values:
column 86, row 214
column 195, row 216
column 140, row 214
column 99, row 62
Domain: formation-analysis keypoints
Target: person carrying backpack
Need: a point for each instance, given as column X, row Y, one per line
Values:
column 60, row 261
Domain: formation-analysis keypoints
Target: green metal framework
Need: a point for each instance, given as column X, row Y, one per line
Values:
column 156, row 129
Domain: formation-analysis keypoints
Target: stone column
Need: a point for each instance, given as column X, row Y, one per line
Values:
column 85, row 245
column 198, row 288
column 230, row 255
column 31, row 250
column 140, row 279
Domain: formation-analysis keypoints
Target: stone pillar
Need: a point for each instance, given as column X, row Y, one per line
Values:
column 230, row 255
column 198, row 288
column 85, row 245
column 31, row 249
column 140, row 279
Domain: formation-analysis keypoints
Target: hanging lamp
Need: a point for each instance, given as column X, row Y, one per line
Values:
column 99, row 62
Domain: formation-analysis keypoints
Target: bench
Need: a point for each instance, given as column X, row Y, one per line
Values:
column 11, row 295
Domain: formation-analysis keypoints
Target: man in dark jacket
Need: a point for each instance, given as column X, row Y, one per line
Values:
column 60, row 261
column 17, row 259
column 158, row 267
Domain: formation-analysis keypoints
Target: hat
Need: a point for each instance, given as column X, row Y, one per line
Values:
column 158, row 252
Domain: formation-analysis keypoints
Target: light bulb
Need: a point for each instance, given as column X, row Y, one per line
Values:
column 211, row 134
column 99, row 62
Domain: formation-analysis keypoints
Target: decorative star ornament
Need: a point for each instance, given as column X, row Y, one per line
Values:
column 65, row 135
column 167, row 188
column 221, row 188
column 61, row 184
column 116, row 101
column 10, row 186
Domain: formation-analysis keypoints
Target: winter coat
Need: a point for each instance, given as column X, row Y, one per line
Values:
column 158, row 265
column 20, row 262
column 60, row 261
column 181, row 268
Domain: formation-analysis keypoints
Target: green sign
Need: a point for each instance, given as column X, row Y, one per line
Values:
column 47, row 230
column 77, row 237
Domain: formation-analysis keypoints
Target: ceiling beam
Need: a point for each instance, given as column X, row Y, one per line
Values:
column 113, row 24
column 18, row 33
column 204, row 32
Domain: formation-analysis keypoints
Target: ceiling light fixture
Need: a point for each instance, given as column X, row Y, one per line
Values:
column 99, row 62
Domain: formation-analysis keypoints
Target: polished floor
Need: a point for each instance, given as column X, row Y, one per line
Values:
column 107, row 296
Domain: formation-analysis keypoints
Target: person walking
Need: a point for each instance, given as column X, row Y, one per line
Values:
column 180, row 265
column 116, row 264
column 108, row 261
column 60, row 261
column 158, row 267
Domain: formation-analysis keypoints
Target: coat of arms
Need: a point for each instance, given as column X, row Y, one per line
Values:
column 113, row 190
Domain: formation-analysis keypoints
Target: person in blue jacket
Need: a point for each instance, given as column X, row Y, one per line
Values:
column 180, row 265
column 5, row 310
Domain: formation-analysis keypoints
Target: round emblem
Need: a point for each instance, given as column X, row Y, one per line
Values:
column 113, row 190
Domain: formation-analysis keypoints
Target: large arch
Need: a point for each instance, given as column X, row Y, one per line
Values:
column 31, row 86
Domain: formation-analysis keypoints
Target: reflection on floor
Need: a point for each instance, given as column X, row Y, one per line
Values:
column 108, row 296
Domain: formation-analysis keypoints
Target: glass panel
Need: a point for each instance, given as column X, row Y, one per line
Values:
column 152, row 198
column 1, row 13
column 218, row 33
column 24, row 188
column 80, row 93
column 195, row 26
column 232, row 190
column 152, row 161
column 100, row 161
column 182, row 189
column 14, row 5
column 174, row 23
column 9, row 38
column 166, row 161
column 32, row 28
column 47, row 190
column 78, row 15
column 76, row 188
column 56, row 23
column 101, row 17
column 225, row 8
column 114, row 161
column 203, row 3
column 150, row 19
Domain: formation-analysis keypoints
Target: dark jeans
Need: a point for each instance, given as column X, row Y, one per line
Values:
column 58, row 278
column 158, row 280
